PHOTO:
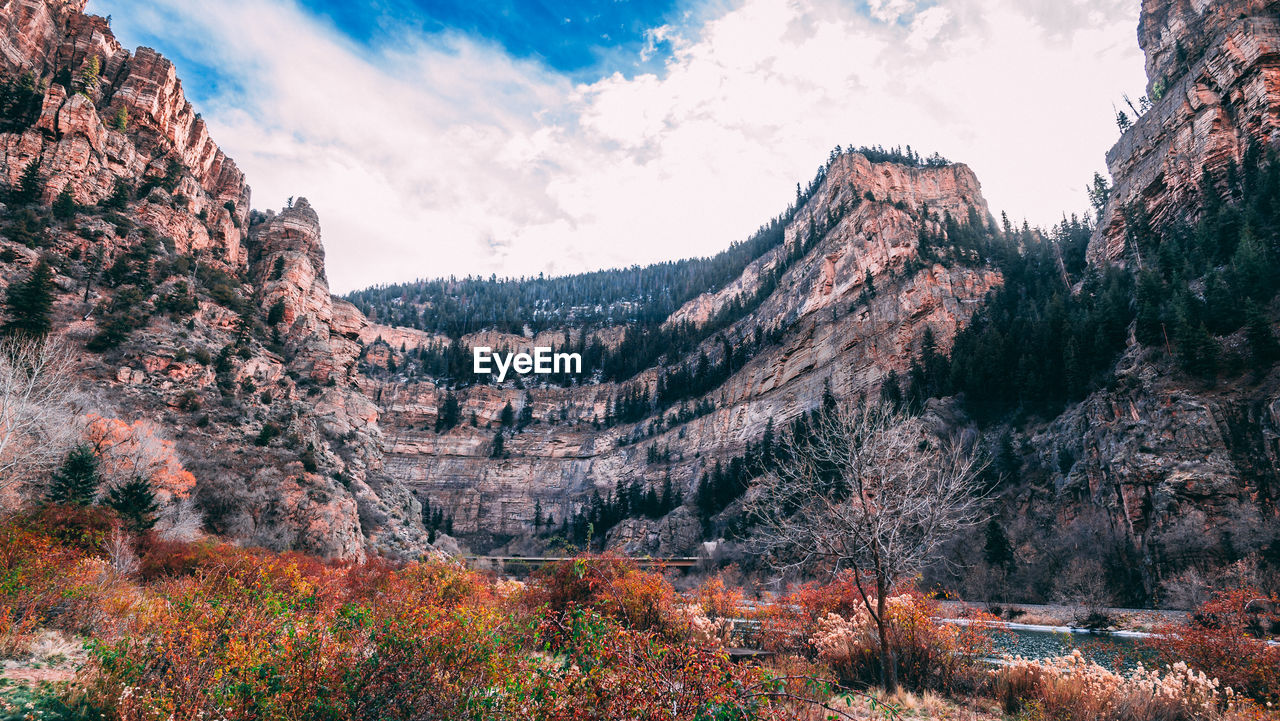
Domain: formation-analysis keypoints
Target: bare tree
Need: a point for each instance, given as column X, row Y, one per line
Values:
column 35, row 415
column 866, row 488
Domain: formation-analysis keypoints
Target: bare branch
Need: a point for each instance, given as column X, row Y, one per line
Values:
column 35, row 415
column 866, row 487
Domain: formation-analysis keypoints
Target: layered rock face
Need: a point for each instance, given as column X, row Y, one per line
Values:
column 1215, row 68
column 832, row 337
column 264, row 412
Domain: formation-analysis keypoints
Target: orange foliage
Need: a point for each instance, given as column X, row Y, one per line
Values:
column 830, row 622
column 52, row 581
column 717, row 600
column 609, row 585
column 265, row 636
column 136, row 450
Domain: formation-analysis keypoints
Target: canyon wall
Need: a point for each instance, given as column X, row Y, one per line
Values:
column 830, row 339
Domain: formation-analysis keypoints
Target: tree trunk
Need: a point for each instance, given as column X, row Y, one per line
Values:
column 888, row 663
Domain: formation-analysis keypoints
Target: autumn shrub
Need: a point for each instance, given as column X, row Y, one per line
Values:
column 604, row 669
column 716, row 599
column 1072, row 688
column 927, row 654
column 30, row 579
column 266, row 636
column 1223, row 639
column 611, row 586
column 48, row 582
column 164, row 558
column 712, row 612
column 431, row 662
column 829, row 622
column 82, row 528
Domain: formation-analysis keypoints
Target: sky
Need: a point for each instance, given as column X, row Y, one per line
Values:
column 517, row 137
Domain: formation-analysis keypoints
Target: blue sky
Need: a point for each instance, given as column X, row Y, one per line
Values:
column 580, row 39
column 515, row 137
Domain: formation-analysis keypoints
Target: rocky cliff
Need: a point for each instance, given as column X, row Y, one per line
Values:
column 308, row 427
column 165, row 283
column 1214, row 81
column 1180, row 471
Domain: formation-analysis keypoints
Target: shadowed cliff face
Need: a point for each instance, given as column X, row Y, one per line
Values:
column 830, row 338
column 1157, row 452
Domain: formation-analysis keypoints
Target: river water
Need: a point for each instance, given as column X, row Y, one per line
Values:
column 1121, row 649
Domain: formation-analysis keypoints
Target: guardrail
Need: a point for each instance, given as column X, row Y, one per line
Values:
column 673, row 562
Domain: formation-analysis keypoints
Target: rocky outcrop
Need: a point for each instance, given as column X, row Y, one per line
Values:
column 1215, row 69
column 80, row 141
column 151, row 91
column 677, row 533
column 1157, row 453
column 1175, row 34
column 288, row 266
column 33, row 29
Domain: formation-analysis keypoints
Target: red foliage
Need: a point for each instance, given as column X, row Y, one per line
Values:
column 48, row 578
column 84, row 528
column 1220, row 640
column 609, row 585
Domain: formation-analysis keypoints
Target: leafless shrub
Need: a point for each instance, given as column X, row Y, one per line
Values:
column 1083, row 585
column 35, row 394
column 120, row 554
column 179, row 520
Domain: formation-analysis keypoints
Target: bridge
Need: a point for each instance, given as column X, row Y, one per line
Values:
column 536, row 561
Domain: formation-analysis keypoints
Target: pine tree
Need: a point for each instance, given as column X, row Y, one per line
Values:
column 449, row 413
column 120, row 121
column 276, row 313
column 29, row 185
column 76, row 481
column 1197, row 350
column 891, row 389
column 508, row 417
column 89, row 75
column 705, row 498
column 997, row 549
column 537, row 515
column 29, row 303
column 136, row 504
column 499, row 447
column 64, row 206
column 1149, row 329
column 1262, row 341
column 119, row 197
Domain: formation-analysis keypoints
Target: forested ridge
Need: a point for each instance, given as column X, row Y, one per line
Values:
column 1052, row 332
column 636, row 296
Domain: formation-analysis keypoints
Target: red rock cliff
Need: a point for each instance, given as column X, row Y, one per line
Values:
column 1215, row 69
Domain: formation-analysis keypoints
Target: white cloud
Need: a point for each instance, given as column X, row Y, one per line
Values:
column 447, row 156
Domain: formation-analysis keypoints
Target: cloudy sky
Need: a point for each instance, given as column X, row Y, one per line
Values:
column 440, row 137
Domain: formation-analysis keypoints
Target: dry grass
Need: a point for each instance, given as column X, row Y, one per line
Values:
column 53, row 657
column 901, row 705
